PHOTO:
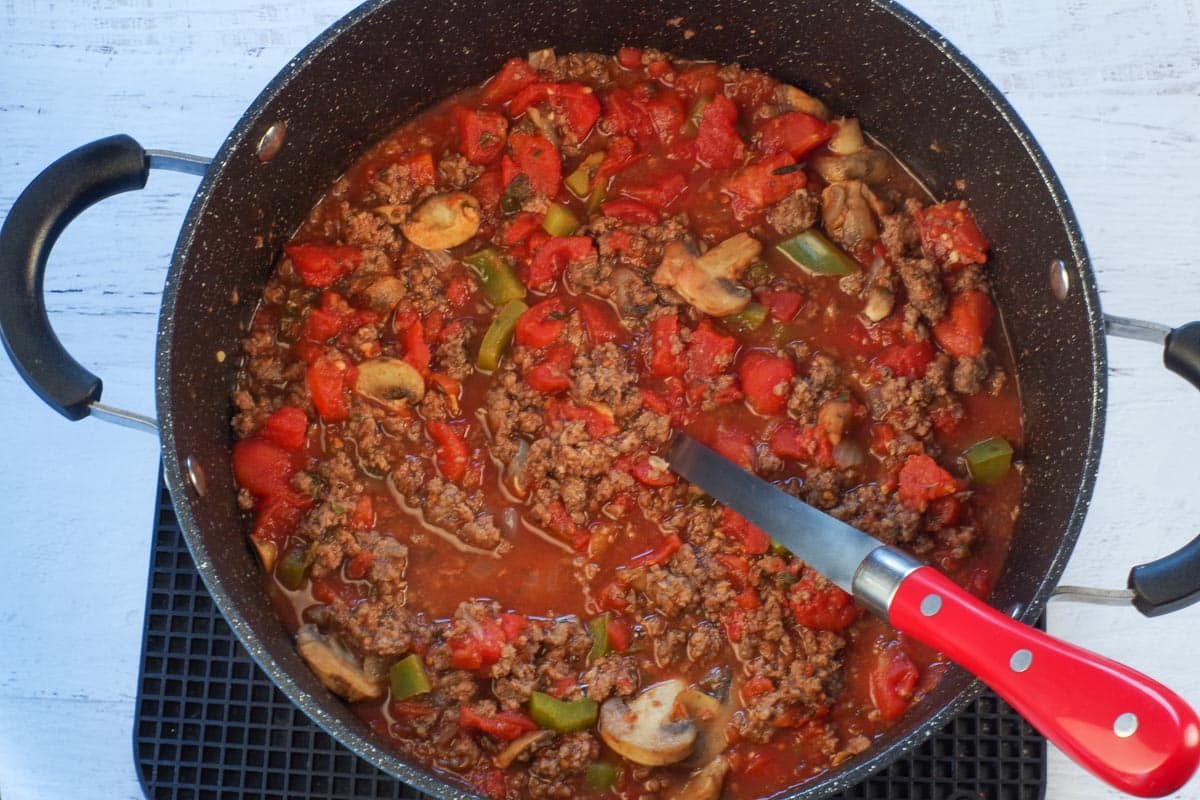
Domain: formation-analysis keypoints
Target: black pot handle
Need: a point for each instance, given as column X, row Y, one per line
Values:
column 1173, row 581
column 60, row 193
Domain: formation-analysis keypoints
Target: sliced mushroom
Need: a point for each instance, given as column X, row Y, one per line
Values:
column 650, row 730
column 708, row 282
column 390, row 382
column 847, row 137
column 267, row 551
column 443, row 221
column 880, row 302
column 705, row 783
column 517, row 746
column 385, row 293
column 866, row 164
column 336, row 666
column 832, row 417
column 846, row 213
column 793, row 99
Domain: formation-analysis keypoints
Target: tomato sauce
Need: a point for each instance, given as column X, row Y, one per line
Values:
column 550, row 571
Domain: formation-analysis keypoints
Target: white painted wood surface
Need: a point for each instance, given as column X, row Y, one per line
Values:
column 1111, row 89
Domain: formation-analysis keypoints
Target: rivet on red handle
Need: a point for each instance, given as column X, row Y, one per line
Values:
column 1124, row 727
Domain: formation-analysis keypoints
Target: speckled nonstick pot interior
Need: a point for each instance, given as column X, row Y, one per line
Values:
column 386, row 61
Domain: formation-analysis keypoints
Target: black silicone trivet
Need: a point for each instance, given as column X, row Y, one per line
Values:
column 210, row 724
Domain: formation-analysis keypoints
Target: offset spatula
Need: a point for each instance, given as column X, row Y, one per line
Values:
column 1124, row 727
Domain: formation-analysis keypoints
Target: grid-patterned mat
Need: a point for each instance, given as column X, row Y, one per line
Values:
column 211, row 725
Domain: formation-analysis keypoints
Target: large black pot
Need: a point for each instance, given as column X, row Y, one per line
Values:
column 385, row 62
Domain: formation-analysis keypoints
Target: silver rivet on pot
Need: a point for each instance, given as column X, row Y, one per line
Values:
column 1015, row 610
column 1021, row 660
column 1125, row 725
column 271, row 142
column 931, row 604
column 1060, row 279
column 196, row 475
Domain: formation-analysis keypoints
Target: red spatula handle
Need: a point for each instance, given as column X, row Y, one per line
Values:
column 1125, row 728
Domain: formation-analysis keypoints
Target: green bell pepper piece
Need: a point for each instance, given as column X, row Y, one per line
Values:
column 500, row 284
column 409, row 678
column 989, row 460
column 579, row 182
column 600, row 776
column 498, row 335
column 816, row 255
column 292, row 569
column 748, row 319
column 563, row 716
column 559, row 221
column 600, row 644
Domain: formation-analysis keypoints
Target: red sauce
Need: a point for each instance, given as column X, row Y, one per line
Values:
column 539, row 576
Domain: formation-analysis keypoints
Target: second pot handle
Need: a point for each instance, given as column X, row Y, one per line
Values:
column 62, row 191
column 79, row 179
column 1173, row 581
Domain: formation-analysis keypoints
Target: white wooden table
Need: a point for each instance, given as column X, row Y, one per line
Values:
column 1111, row 89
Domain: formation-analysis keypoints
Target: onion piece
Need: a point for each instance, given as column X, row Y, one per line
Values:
column 517, row 746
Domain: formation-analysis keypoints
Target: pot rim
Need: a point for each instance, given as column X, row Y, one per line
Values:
column 852, row 772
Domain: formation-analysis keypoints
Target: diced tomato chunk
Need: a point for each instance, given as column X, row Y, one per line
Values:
column 735, row 444
column 699, row 81
column 661, row 554
column 481, row 134
column 513, row 625
column 921, row 480
column 363, row 516
column 621, row 153
column 597, row 423
column 718, row 144
column 600, row 320
column 961, row 331
column 758, row 685
column 766, row 380
column 709, row 353
column 287, row 427
column 753, row 539
column 322, row 324
column 630, row 211
column 542, row 324
column 574, row 103
column 537, row 157
column 552, row 258
column 524, row 224
column 808, row 444
column 893, row 678
column 949, row 234
column 660, row 194
column 514, row 76
column 652, row 474
column 480, row 647
column 756, row 186
column 327, row 380
column 416, row 349
column 488, row 187
column 782, row 304
column 794, row 133
column 262, row 467
column 906, row 360
column 821, row 605
column 551, row 375
column 563, row 527
column 505, row 725
column 620, row 634
column 278, row 515
column 319, row 265
column 629, row 57
column 452, row 450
